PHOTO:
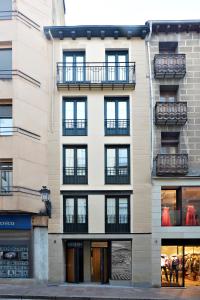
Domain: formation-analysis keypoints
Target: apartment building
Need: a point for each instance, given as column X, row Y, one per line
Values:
column 24, row 111
column 174, row 57
column 99, row 155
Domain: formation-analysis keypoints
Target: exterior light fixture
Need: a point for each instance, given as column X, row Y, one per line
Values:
column 45, row 195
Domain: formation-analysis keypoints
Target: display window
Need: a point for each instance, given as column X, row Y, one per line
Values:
column 180, row 266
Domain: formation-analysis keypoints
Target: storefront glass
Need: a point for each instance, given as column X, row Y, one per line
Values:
column 191, row 206
column 180, row 266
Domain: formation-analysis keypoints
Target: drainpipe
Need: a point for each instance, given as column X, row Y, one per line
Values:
column 151, row 91
column 53, row 85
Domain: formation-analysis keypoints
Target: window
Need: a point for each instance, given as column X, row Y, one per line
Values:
column 169, row 142
column 117, row 65
column 76, row 214
column 168, row 47
column 168, row 93
column 5, row 63
column 75, row 165
column 5, row 9
column 5, row 177
column 6, row 121
column 74, row 66
column 74, row 117
column 117, row 165
column 117, row 116
column 117, row 214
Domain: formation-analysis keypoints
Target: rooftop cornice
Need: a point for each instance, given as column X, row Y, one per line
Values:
column 95, row 31
column 167, row 26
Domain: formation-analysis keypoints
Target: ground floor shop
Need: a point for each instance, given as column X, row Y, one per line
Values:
column 98, row 261
column 23, row 247
column 180, row 263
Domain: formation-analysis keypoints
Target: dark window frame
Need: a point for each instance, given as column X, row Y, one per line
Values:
column 75, row 179
column 8, row 116
column 75, row 131
column 8, row 168
column 6, row 73
column 75, row 227
column 117, row 53
column 117, row 227
column 74, row 55
column 117, row 178
column 117, row 130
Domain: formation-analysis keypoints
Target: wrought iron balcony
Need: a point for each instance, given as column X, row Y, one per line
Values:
column 76, row 223
column 117, row 226
column 117, row 175
column 117, row 126
column 171, row 164
column 75, row 127
column 77, row 175
column 171, row 113
column 169, row 66
column 96, row 75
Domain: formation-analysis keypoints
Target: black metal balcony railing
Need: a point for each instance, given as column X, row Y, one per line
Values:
column 117, row 175
column 171, row 113
column 117, row 126
column 168, row 66
column 76, row 224
column 171, row 164
column 77, row 175
column 122, row 225
column 96, row 74
column 75, row 127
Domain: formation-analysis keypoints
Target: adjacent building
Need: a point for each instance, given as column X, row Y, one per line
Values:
column 24, row 112
column 174, row 63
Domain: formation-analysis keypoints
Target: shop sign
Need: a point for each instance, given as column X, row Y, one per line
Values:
column 15, row 222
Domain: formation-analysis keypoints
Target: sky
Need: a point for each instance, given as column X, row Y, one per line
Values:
column 129, row 12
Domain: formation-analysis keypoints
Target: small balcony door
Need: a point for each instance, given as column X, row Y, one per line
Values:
column 116, row 62
column 74, row 66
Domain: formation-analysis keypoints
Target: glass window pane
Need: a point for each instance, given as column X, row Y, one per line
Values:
column 122, row 67
column 69, row 210
column 123, row 157
column 191, row 206
column 79, row 68
column 6, row 126
column 111, row 159
column 81, row 158
column 5, row 180
column 69, row 114
column 81, row 110
column 69, row 161
column 170, row 212
column 110, row 110
column 122, row 114
column 81, row 218
column 123, row 211
column 69, row 68
column 111, row 67
column 111, row 211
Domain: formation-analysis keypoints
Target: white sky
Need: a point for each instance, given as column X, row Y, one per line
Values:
column 129, row 12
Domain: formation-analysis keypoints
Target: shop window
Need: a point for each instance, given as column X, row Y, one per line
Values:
column 117, row 116
column 74, row 116
column 169, row 142
column 6, row 121
column 5, row 176
column 180, row 206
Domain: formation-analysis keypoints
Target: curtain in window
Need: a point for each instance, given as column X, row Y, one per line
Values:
column 111, row 210
column 81, row 216
column 70, row 210
column 123, row 211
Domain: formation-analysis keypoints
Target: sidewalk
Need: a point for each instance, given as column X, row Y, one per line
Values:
column 97, row 292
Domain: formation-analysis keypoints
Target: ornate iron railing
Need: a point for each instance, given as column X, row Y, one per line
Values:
column 77, row 175
column 95, row 74
column 171, row 113
column 75, row 127
column 171, row 164
column 168, row 66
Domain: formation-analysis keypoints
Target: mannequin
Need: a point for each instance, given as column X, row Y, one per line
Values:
column 166, row 220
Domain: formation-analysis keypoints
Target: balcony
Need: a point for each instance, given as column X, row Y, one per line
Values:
column 117, row 126
column 96, row 75
column 169, row 66
column 122, row 226
column 117, row 175
column 171, row 164
column 76, row 224
column 171, row 113
column 75, row 127
column 77, row 175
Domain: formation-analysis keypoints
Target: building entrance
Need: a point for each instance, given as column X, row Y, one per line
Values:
column 99, row 262
column 74, row 262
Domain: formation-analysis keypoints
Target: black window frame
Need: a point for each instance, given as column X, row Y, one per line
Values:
column 8, row 168
column 117, row 177
column 75, row 227
column 117, row 227
column 76, row 124
column 116, row 123
column 75, row 178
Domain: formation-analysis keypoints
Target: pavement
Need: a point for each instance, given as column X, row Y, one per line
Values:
column 96, row 292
